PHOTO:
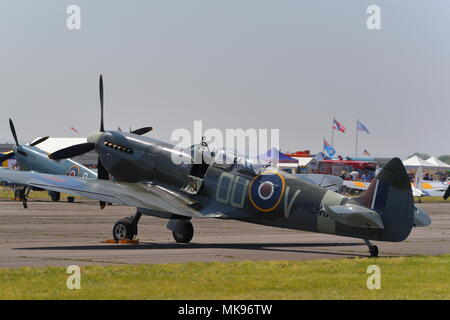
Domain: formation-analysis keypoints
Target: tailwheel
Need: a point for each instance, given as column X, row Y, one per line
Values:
column 71, row 199
column 125, row 229
column 185, row 234
column 373, row 250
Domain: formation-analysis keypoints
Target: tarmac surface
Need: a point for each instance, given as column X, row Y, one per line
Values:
column 61, row 234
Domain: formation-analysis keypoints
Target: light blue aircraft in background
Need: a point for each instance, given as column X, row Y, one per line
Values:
column 31, row 158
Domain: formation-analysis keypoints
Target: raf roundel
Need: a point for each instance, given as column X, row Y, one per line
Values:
column 266, row 191
column 73, row 171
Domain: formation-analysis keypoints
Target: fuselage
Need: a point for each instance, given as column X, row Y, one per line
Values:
column 34, row 159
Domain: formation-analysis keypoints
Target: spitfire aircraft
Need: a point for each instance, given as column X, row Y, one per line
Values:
column 31, row 158
column 165, row 182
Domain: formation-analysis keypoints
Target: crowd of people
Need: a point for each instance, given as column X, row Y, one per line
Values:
column 365, row 175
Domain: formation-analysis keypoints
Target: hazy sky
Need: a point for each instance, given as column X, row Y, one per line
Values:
column 290, row 65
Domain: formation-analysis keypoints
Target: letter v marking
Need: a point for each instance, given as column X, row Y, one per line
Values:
column 288, row 206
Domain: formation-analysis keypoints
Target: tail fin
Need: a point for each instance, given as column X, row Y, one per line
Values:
column 390, row 195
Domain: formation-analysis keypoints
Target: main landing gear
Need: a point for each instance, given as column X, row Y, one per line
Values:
column 22, row 195
column 127, row 229
column 54, row 195
column 373, row 250
column 184, row 232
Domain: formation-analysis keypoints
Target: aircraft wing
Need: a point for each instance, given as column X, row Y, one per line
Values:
column 140, row 195
column 433, row 188
column 358, row 185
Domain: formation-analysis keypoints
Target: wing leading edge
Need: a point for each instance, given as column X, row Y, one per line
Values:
column 140, row 195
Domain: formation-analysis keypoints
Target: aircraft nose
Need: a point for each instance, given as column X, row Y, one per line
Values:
column 96, row 138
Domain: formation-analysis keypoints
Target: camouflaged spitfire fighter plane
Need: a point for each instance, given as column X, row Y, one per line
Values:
column 224, row 186
column 31, row 158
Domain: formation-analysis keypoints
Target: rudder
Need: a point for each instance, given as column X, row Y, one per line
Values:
column 390, row 195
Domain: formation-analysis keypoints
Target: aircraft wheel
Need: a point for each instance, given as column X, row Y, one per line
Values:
column 55, row 196
column 124, row 229
column 373, row 251
column 70, row 199
column 186, row 236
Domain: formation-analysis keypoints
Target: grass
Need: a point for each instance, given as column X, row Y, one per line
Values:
column 430, row 199
column 401, row 278
column 8, row 193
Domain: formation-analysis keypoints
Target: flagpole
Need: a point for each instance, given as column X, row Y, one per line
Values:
column 332, row 133
column 356, row 144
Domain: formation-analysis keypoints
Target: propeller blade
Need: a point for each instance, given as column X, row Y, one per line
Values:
column 13, row 131
column 447, row 193
column 102, row 128
column 72, row 151
column 40, row 140
column 7, row 156
column 142, row 131
column 102, row 174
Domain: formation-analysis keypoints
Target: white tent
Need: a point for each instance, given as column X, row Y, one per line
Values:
column 415, row 162
column 441, row 165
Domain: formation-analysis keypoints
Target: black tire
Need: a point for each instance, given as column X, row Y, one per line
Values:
column 17, row 194
column 124, row 229
column 55, row 196
column 70, row 199
column 185, row 237
column 373, row 251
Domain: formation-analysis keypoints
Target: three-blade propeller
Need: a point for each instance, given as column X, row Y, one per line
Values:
column 14, row 134
column 82, row 148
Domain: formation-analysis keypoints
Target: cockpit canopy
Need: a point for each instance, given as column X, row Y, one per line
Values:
column 227, row 160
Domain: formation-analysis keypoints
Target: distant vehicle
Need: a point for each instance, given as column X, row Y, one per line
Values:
column 335, row 167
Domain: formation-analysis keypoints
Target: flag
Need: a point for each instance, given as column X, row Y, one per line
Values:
column 366, row 153
column 74, row 130
column 328, row 148
column 361, row 127
column 338, row 126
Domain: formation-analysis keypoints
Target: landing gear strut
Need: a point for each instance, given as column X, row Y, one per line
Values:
column 126, row 228
column 21, row 195
column 373, row 250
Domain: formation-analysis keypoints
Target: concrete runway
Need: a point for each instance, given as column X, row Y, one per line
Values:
column 61, row 234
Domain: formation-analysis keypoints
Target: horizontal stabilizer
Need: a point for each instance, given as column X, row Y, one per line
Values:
column 355, row 216
column 421, row 218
